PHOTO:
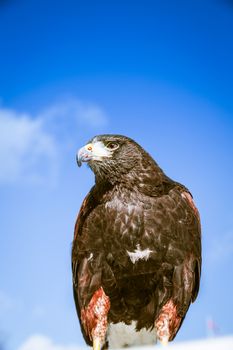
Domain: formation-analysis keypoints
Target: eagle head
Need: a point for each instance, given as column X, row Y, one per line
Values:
column 111, row 157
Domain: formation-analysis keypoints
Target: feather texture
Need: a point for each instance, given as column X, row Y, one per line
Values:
column 138, row 237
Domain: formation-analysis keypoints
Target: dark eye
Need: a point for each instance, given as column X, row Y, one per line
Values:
column 112, row 145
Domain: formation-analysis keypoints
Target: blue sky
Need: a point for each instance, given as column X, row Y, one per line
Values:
column 158, row 71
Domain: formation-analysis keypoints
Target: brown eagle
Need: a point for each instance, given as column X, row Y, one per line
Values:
column 136, row 254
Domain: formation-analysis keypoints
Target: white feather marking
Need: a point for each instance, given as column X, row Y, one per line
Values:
column 130, row 208
column 139, row 254
column 90, row 257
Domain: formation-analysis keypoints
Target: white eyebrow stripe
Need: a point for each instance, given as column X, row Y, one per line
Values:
column 99, row 150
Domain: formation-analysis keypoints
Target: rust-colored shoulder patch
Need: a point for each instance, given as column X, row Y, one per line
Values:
column 190, row 200
column 81, row 215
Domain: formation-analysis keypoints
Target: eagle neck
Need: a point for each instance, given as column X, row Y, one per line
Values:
column 135, row 179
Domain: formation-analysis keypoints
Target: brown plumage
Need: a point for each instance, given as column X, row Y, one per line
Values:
column 136, row 254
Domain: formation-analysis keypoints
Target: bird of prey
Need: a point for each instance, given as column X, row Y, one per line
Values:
column 136, row 253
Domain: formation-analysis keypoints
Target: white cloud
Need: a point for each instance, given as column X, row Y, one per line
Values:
column 217, row 343
column 30, row 146
column 40, row 342
column 24, row 147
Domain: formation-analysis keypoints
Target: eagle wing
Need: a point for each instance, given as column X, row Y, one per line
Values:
column 82, row 276
column 173, row 231
column 89, row 268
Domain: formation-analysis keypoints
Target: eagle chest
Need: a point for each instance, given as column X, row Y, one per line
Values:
column 117, row 229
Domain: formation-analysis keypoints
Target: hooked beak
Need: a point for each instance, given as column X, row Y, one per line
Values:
column 93, row 151
column 84, row 154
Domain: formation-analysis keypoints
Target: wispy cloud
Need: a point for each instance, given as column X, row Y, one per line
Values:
column 40, row 342
column 74, row 111
column 8, row 304
column 30, row 146
column 39, row 311
column 220, row 248
column 24, row 146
